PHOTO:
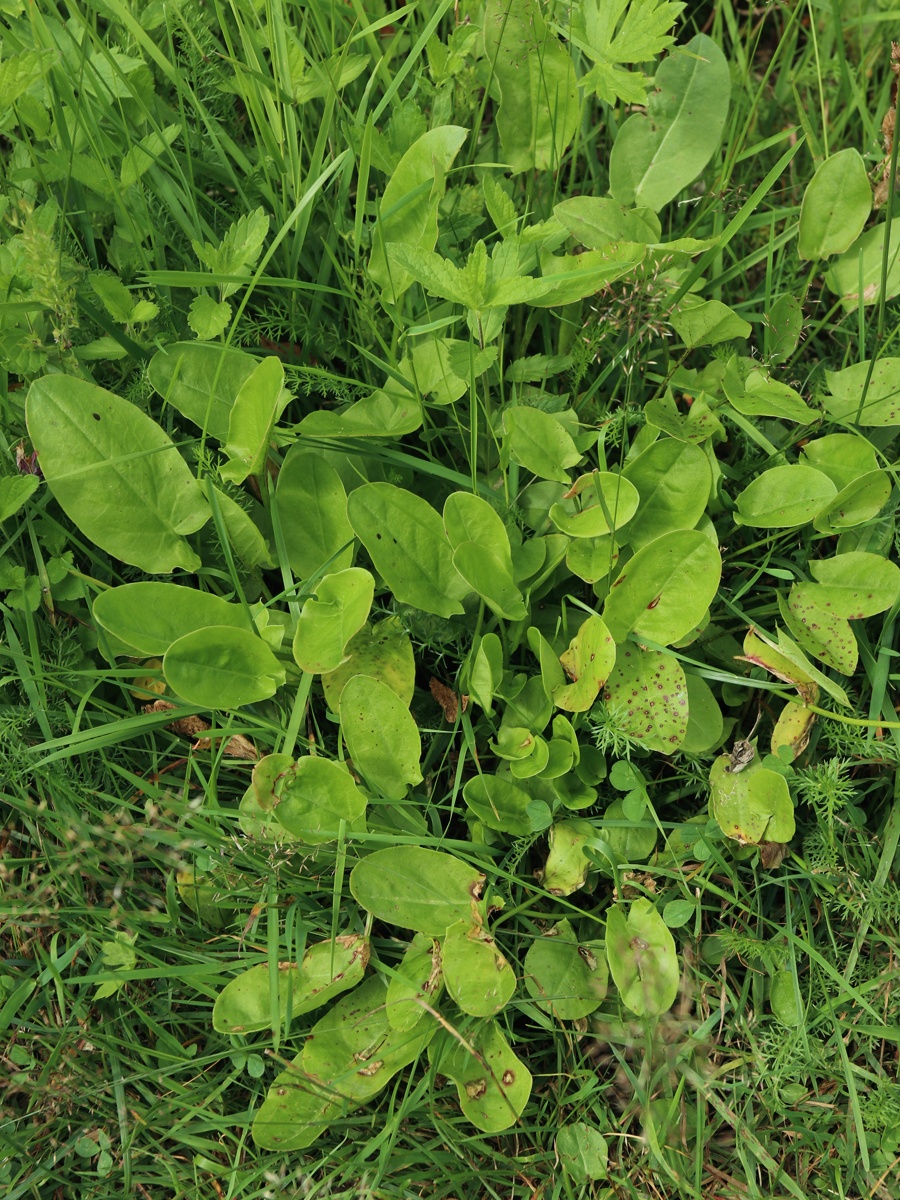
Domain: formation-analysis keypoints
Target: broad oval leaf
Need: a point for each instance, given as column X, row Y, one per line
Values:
column 381, row 736
column 327, row 623
column 256, row 408
column 642, row 958
column 856, row 584
column 539, row 443
column 819, row 630
column 582, row 1151
column 605, row 502
column 222, row 667
column 416, row 888
column 878, row 405
column 493, row 1084
column 201, row 381
column 417, row 977
column 476, row 974
column 405, row 538
column 115, row 473
column 673, row 480
column 587, row 662
column 859, row 502
column 836, row 206
column 655, row 156
column 383, row 652
column 151, row 616
column 752, row 805
column 784, row 497
column 647, row 692
column 315, row 795
column 499, row 804
column 664, row 591
column 566, row 978
column 312, row 510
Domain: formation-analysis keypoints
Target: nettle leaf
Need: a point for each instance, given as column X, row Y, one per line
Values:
column 664, row 591
column 647, row 691
column 492, row 1083
column 476, row 974
column 237, row 252
column 856, row 584
column 836, row 206
column 207, row 317
column 879, row 407
column 115, row 474
column 673, row 480
column 312, row 511
column 587, row 662
column 751, row 806
column 256, row 408
column 383, row 652
column 149, row 617
column 532, row 70
column 222, row 667
column 328, row 968
column 314, row 796
column 381, row 736
column 405, row 538
column 328, row 622
column 784, row 498
column 416, row 888
column 566, row 977
column 655, row 156
column 201, row 382
column 408, row 211
column 640, row 36
column 642, row 958
column 539, row 443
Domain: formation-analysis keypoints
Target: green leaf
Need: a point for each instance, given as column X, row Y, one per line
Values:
column 222, row 667
column 843, row 457
column 568, row 278
column 664, row 591
column 596, row 221
column 857, row 584
column 492, row 1083
column 19, row 71
column 416, row 888
column 582, row 1151
column 381, row 736
column 632, row 839
column 784, row 999
column 405, row 538
column 695, row 426
column 381, row 414
column 499, row 804
column 408, row 211
column 751, row 806
column 567, row 979
column 256, row 408
column 383, row 653
column 539, row 443
column 754, row 394
column 858, row 271
column 881, row 405
column 642, row 958
column 592, row 559
column 201, row 382
column 207, row 317
column 859, row 502
column 145, row 153
column 588, row 662
column 312, row 511
column 656, row 156
column 297, row 1109
column 539, row 108
column 149, row 617
column 417, row 977
column 784, row 325
column 566, row 868
column 819, row 630
column 647, row 691
column 784, row 498
column 115, row 296
column 705, row 723
column 836, row 206
column 15, row 491
column 707, row 322
column 314, row 796
column 476, row 975
column 605, row 502
column 328, row 968
column 115, row 473
column 244, row 535
column 673, row 480
column 642, row 34
column 238, row 251
column 481, row 553
column 328, row 622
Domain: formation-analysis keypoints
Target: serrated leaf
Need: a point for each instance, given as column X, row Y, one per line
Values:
column 610, row 39
column 207, row 317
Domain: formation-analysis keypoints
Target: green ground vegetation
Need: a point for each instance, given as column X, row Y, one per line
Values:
column 448, row 584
